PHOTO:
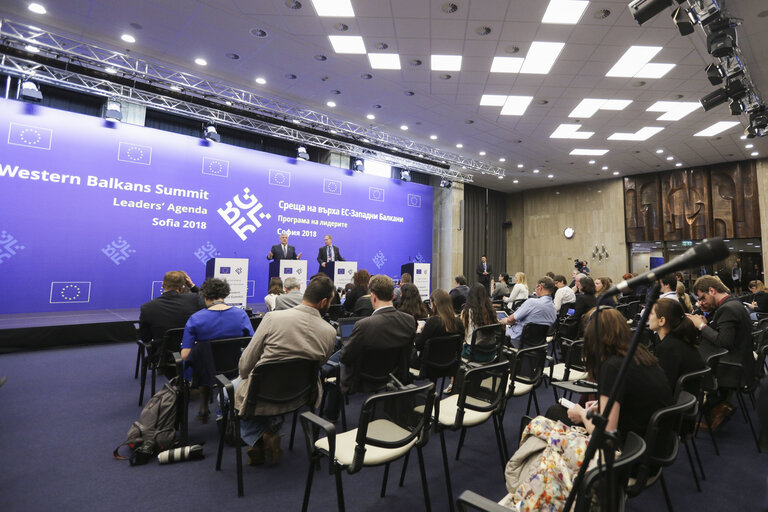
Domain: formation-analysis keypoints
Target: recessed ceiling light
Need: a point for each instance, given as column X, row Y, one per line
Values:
column 615, row 173
column 506, row 64
column 754, row 153
column 446, row 62
column 228, row 103
column 347, row 44
column 536, row 171
column 493, row 100
column 678, row 164
column 520, row 166
column 334, row 8
column 550, row 176
column 403, row 127
column 330, row 104
column 502, row 159
column 589, row 106
column 564, row 12
column 366, row 140
column 515, row 181
column 232, row 56
column 541, row 57
column 591, row 162
column 589, row 152
column 37, row 8
column 111, row 70
column 371, row 117
column 659, row 151
column 201, row 61
column 128, row 38
column 175, row 88
column 296, row 121
column 636, row 63
column 32, row 49
column 716, row 128
column 605, row 167
column 642, row 134
column 501, row 176
column 384, row 60
column 261, row 80
column 459, row 145
column 749, row 146
column 433, row 137
column 570, row 131
column 674, row 110
column 516, row 105
column 334, row 132
column 670, row 157
column 482, row 153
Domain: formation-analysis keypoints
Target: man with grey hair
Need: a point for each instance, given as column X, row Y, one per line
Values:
column 292, row 296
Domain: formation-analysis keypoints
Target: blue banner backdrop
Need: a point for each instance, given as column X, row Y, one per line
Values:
column 92, row 214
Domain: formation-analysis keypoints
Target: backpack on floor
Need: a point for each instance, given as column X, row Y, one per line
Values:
column 155, row 429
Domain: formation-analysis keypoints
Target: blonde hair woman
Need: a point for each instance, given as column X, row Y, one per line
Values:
column 520, row 290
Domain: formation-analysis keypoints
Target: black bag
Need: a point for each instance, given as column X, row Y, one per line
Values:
column 155, row 430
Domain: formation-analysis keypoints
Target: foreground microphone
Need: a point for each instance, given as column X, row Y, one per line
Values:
column 192, row 452
column 710, row 250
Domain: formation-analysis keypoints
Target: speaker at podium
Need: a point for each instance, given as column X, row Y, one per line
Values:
column 420, row 272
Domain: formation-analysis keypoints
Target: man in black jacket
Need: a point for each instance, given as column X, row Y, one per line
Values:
column 283, row 251
column 460, row 293
column 484, row 273
column 170, row 310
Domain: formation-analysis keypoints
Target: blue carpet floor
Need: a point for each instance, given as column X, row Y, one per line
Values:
column 64, row 411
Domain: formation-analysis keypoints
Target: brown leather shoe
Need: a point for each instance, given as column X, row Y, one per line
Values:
column 256, row 454
column 272, row 450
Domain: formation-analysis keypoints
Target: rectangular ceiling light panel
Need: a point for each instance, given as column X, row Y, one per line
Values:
column 384, row 60
column 516, row 105
column 334, row 8
column 570, row 131
column 347, row 44
column 633, row 61
column 642, row 134
column 506, row 64
column 654, row 70
column 564, row 12
column 589, row 106
column 446, row 62
column 589, row 152
column 716, row 128
column 541, row 57
column 674, row 110
column 493, row 100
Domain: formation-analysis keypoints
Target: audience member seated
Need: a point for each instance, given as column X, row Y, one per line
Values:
column 360, row 281
column 585, row 300
column 443, row 321
column 460, row 293
column 683, row 297
column 170, row 310
column 538, row 310
column 728, row 326
column 292, row 296
column 603, row 284
column 501, row 287
column 411, row 302
column 564, row 294
column 629, row 292
column 678, row 348
column 296, row 333
column 519, row 290
column 217, row 321
column 275, row 289
column 478, row 312
column 759, row 302
column 405, row 278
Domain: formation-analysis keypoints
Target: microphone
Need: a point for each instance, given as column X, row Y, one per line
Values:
column 710, row 250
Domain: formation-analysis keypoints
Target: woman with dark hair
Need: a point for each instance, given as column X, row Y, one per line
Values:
column 585, row 300
column 443, row 321
column 678, row 349
column 411, row 303
column 477, row 312
column 759, row 302
column 501, row 288
column 602, row 284
column 360, row 281
column 216, row 321
column 275, row 289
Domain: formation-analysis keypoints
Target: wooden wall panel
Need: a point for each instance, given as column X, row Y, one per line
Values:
column 735, row 208
column 687, row 211
column 642, row 208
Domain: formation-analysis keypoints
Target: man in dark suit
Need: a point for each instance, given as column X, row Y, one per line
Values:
column 328, row 252
column 728, row 327
column 460, row 293
column 170, row 310
column 283, row 251
column 484, row 273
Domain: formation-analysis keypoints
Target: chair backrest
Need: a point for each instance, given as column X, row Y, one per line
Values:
column 533, row 335
column 481, row 389
column 346, row 325
column 226, row 354
column 713, row 363
column 757, row 338
column 441, row 357
column 528, row 365
column 282, row 382
column 255, row 321
column 623, row 467
column 692, row 382
column 624, row 310
column 486, row 343
column 335, row 311
column 662, row 438
column 394, row 419
column 573, row 356
column 517, row 303
column 377, row 363
column 172, row 339
column 564, row 309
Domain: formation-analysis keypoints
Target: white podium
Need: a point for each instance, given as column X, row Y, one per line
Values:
column 290, row 268
column 340, row 271
column 235, row 272
column 420, row 272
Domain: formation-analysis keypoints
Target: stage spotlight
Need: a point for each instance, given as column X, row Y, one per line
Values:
column 30, row 91
column 643, row 10
column 722, row 40
column 683, row 21
column 736, row 89
column 714, row 99
column 705, row 11
column 759, row 120
column 359, row 165
column 210, row 133
column 301, row 153
column 736, row 107
column 405, row 175
column 113, row 110
column 714, row 74
column 445, row 183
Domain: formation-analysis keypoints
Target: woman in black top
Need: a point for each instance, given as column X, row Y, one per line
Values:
column 585, row 300
column 645, row 388
column 678, row 349
column 443, row 321
column 760, row 297
column 360, row 280
column 411, row 303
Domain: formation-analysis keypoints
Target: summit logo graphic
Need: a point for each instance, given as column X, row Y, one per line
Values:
column 243, row 214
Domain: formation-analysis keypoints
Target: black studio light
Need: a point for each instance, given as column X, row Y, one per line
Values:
column 644, row 10
column 445, row 183
column 683, row 21
column 714, row 99
column 405, row 175
column 359, row 165
column 30, row 91
column 714, row 74
column 301, row 153
column 210, row 133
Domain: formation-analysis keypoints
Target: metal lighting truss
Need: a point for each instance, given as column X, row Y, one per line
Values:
column 70, row 51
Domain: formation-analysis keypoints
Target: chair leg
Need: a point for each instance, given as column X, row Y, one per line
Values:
column 154, row 378
column 498, row 431
column 339, row 490
column 139, row 354
column 698, row 459
column 554, row 391
column 536, row 401
column 690, row 463
column 743, row 405
column 503, row 436
column 222, row 434
column 528, row 409
column 342, row 400
column 447, row 472
column 239, row 457
column 143, row 382
column 703, row 417
column 405, row 467
column 425, row 488
column 461, row 442
column 384, row 480
column 308, row 486
column 666, row 493
column 184, row 430
column 293, row 429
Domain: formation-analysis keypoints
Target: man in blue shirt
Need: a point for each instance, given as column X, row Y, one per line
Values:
column 536, row 310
